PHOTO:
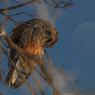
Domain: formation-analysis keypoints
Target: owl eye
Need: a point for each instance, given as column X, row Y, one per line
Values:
column 49, row 40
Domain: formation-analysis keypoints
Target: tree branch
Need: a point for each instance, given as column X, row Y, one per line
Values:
column 17, row 6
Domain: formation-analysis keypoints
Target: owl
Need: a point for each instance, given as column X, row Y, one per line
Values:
column 33, row 37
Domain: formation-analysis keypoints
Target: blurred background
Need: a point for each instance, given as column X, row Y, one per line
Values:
column 75, row 49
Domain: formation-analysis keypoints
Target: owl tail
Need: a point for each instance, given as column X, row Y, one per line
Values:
column 18, row 74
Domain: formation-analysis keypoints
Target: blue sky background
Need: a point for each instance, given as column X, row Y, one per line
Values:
column 75, row 50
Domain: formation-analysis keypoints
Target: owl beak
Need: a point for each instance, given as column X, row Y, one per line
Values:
column 54, row 38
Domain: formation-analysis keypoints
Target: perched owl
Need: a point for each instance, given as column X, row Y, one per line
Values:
column 33, row 37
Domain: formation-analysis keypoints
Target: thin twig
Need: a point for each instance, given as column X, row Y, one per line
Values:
column 17, row 6
column 38, row 85
column 8, row 17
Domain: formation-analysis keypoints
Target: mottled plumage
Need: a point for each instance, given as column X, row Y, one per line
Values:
column 33, row 37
